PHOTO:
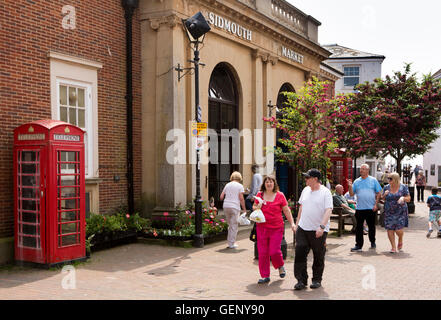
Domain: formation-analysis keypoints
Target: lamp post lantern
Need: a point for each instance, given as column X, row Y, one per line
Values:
column 196, row 27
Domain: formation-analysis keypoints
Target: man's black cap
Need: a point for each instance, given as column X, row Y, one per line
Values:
column 314, row 173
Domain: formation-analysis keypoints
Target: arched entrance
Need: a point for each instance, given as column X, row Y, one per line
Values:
column 285, row 173
column 223, row 115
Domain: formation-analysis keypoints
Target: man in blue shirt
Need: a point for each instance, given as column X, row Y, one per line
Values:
column 368, row 194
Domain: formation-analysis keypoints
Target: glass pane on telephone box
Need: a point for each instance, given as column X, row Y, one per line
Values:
column 69, row 198
column 28, row 199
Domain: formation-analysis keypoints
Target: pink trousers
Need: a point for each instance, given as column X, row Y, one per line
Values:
column 268, row 246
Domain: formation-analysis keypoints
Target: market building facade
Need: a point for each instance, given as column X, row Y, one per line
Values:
column 255, row 50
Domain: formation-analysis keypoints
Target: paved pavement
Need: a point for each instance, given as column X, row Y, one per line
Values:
column 143, row 271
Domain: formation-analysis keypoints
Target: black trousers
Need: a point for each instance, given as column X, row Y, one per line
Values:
column 305, row 241
column 249, row 204
column 361, row 216
column 420, row 191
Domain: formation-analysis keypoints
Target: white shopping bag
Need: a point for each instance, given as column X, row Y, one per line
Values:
column 243, row 220
column 257, row 216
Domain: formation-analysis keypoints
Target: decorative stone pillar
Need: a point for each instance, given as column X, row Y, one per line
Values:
column 171, row 178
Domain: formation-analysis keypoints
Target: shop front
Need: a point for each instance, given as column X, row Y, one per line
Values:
column 255, row 50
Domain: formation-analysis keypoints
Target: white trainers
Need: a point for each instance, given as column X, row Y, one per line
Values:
column 234, row 246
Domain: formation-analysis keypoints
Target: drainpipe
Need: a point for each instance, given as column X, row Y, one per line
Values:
column 129, row 7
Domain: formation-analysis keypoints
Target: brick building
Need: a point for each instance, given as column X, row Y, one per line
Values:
column 67, row 60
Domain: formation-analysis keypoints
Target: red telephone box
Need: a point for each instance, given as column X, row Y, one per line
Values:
column 341, row 169
column 49, row 192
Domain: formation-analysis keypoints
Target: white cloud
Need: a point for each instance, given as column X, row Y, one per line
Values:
column 403, row 31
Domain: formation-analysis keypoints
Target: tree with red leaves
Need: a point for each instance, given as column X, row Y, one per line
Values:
column 306, row 134
column 397, row 116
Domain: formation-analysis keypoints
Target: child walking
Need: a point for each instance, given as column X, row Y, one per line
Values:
column 434, row 203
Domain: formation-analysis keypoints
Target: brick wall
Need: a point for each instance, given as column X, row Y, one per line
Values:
column 28, row 31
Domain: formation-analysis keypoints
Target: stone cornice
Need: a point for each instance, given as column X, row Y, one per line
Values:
column 73, row 59
column 297, row 40
column 170, row 20
column 264, row 56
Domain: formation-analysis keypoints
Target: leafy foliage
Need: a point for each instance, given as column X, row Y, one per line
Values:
column 97, row 224
column 397, row 116
column 307, row 136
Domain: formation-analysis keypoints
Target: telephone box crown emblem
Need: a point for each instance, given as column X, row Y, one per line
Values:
column 31, row 129
column 67, row 130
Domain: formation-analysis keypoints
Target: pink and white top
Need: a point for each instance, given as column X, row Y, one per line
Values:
column 272, row 211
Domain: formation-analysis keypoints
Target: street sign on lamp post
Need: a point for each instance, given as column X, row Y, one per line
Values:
column 196, row 27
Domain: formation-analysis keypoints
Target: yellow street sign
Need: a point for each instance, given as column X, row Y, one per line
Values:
column 199, row 129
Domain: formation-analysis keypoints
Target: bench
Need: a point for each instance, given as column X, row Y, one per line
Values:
column 339, row 216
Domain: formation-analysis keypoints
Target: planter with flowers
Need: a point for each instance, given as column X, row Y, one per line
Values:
column 106, row 231
column 183, row 229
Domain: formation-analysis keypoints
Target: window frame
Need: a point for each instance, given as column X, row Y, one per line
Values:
column 351, row 76
column 88, row 118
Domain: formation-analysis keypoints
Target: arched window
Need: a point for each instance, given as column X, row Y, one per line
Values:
column 223, row 113
column 284, row 173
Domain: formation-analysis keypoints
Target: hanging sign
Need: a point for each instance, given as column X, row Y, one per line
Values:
column 199, row 129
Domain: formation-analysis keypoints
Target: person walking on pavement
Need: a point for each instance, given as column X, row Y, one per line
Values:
column 368, row 194
column 396, row 215
column 255, row 187
column 270, row 232
column 233, row 195
column 312, row 228
column 420, row 185
column 434, row 204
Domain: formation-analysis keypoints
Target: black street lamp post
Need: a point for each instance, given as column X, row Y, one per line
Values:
column 195, row 28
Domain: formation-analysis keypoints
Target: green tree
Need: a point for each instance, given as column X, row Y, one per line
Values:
column 306, row 136
column 397, row 116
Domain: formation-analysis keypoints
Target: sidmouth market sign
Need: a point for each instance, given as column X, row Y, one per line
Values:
column 294, row 56
column 229, row 26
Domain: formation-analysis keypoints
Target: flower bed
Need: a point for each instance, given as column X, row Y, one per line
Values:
column 183, row 229
column 106, row 231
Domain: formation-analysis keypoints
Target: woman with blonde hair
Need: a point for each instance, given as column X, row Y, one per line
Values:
column 396, row 196
column 233, row 199
column 270, row 232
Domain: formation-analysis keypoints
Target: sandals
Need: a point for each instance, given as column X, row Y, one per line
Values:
column 400, row 247
column 282, row 272
column 393, row 251
column 263, row 280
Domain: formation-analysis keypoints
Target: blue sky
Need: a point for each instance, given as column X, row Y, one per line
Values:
column 403, row 31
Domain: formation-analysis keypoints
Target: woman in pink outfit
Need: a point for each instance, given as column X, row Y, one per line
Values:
column 270, row 232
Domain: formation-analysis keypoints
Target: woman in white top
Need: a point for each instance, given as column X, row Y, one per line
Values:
column 234, row 200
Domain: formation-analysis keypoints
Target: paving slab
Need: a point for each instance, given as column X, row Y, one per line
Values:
column 142, row 271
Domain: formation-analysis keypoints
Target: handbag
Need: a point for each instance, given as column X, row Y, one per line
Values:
column 253, row 233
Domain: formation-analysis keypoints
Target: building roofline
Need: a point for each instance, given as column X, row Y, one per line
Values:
column 367, row 56
column 357, row 58
column 332, row 68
